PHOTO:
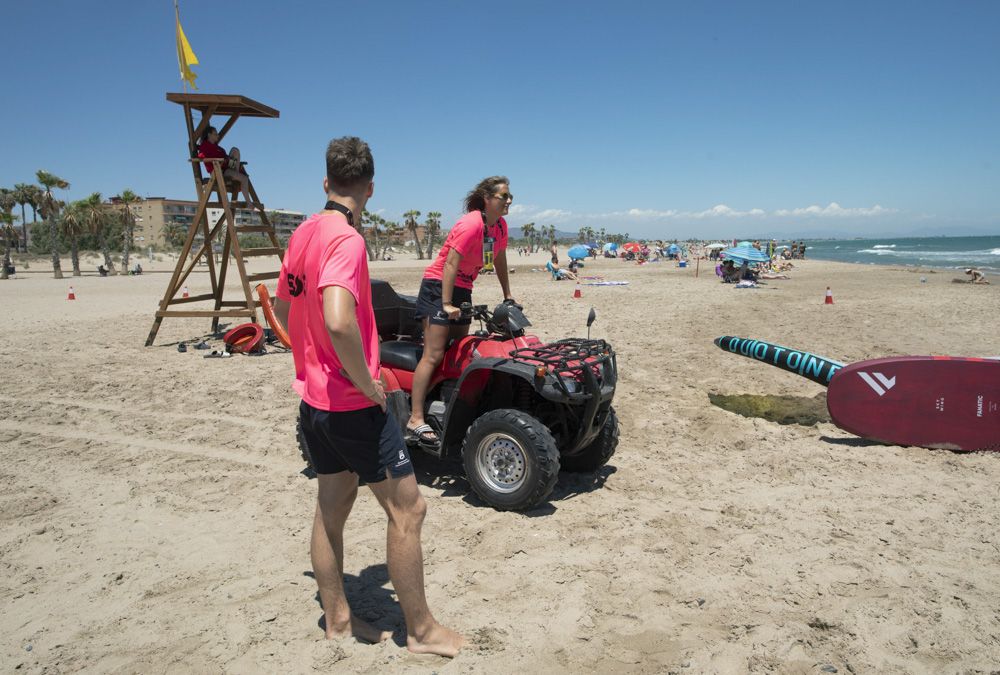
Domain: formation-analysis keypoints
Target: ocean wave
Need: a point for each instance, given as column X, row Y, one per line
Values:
column 878, row 251
column 995, row 251
column 884, row 246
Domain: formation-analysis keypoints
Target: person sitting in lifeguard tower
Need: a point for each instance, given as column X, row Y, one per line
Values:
column 233, row 170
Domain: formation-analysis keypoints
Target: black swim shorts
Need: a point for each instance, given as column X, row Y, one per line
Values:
column 429, row 303
column 367, row 442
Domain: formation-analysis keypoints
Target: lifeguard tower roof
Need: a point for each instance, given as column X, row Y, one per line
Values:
column 223, row 104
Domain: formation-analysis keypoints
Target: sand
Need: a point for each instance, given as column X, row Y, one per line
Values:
column 154, row 517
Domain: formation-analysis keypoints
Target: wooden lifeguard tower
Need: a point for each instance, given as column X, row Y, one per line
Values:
column 213, row 192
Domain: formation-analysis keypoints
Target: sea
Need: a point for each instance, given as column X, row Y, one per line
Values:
column 942, row 252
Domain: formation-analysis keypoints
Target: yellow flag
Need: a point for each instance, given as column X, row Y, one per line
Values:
column 185, row 55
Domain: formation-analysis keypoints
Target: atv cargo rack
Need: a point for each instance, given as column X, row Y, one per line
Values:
column 575, row 359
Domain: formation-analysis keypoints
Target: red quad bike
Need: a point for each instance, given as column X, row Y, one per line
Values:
column 516, row 409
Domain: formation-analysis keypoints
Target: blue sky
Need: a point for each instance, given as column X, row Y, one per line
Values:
column 662, row 119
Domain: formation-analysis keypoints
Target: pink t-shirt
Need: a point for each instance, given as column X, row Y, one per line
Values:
column 467, row 238
column 326, row 251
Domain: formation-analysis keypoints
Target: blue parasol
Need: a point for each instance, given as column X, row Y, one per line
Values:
column 673, row 248
column 611, row 246
column 592, row 244
column 745, row 254
column 578, row 252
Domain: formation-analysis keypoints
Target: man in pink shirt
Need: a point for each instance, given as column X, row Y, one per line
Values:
column 324, row 299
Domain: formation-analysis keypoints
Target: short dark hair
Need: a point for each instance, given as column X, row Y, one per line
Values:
column 206, row 132
column 349, row 164
column 476, row 199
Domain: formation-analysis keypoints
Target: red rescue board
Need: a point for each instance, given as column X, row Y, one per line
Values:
column 944, row 402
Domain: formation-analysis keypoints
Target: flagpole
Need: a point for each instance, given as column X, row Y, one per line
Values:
column 177, row 22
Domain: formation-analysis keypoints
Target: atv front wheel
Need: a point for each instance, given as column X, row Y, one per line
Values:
column 511, row 459
column 600, row 450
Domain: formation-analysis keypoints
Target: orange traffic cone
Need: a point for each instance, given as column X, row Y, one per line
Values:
column 829, row 296
column 184, row 292
column 576, row 292
column 72, row 294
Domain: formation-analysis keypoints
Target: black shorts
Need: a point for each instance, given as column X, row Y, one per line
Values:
column 367, row 442
column 429, row 303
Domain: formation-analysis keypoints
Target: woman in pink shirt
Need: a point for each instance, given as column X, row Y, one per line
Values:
column 477, row 241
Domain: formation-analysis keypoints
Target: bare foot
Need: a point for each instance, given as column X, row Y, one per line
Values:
column 438, row 640
column 359, row 629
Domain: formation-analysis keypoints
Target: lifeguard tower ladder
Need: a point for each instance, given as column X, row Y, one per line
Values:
column 213, row 192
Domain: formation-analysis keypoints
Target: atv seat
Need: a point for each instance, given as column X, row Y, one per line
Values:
column 399, row 354
column 394, row 313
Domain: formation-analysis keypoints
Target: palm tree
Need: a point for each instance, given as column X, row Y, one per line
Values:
column 7, row 202
column 23, row 196
column 96, row 218
column 126, row 199
column 73, row 225
column 8, row 232
column 369, row 223
column 528, row 231
column 432, row 225
column 49, row 208
column 411, row 225
column 392, row 233
column 34, row 200
column 604, row 236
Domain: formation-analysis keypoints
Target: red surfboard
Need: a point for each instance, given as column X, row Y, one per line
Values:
column 944, row 402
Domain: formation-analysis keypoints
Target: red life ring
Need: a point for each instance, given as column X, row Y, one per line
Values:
column 272, row 320
column 245, row 338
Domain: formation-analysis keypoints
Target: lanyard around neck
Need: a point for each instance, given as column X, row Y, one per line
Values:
column 334, row 206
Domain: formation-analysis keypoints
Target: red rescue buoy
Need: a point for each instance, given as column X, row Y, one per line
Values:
column 269, row 316
column 245, row 338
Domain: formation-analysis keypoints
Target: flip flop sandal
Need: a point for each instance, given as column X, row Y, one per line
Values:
column 202, row 345
column 217, row 355
column 418, row 434
column 181, row 347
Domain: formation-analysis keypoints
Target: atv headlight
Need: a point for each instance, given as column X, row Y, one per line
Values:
column 572, row 386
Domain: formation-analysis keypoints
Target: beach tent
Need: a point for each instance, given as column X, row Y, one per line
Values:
column 745, row 254
column 591, row 244
column 673, row 248
column 610, row 246
column 579, row 252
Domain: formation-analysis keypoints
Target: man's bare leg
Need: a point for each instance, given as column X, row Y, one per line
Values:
column 333, row 504
column 406, row 508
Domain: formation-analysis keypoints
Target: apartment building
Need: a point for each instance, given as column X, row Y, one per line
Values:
column 163, row 222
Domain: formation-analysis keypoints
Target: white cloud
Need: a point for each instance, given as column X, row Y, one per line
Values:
column 723, row 211
column 646, row 213
column 528, row 212
column 835, row 210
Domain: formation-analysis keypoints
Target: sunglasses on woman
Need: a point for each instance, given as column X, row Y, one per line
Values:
column 504, row 196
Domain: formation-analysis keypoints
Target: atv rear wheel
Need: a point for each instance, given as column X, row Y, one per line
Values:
column 600, row 450
column 511, row 459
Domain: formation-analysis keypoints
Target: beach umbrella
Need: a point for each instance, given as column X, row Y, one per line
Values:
column 592, row 244
column 673, row 248
column 714, row 246
column 632, row 246
column 611, row 246
column 579, row 252
column 744, row 243
column 745, row 254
